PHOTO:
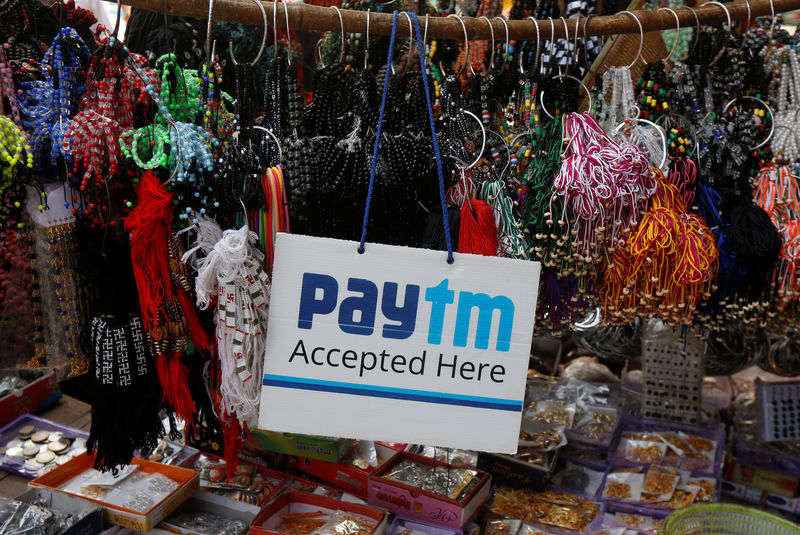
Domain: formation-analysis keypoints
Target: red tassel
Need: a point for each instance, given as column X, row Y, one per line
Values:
column 149, row 227
column 181, row 401
column 162, row 369
column 197, row 333
column 232, row 435
column 478, row 231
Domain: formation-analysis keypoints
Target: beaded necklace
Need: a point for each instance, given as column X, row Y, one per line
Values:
column 46, row 106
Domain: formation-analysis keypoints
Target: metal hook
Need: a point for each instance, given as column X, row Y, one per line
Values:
column 505, row 25
column 318, row 54
column 552, row 52
column 288, row 34
column 425, row 42
column 696, row 32
column 772, row 23
column 678, row 35
column 521, row 55
column 727, row 13
column 116, row 24
column 566, row 36
column 410, row 32
column 746, row 3
column 491, row 31
column 575, row 42
column 366, row 46
column 466, row 48
column 208, row 30
column 263, row 37
column 641, row 37
column 341, row 26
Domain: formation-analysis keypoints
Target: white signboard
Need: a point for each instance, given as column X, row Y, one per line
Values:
column 397, row 345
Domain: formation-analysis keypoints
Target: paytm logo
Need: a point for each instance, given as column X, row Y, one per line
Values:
column 358, row 313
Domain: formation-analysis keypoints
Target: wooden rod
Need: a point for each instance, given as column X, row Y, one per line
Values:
column 310, row 17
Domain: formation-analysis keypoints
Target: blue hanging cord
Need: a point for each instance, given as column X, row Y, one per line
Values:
column 433, row 135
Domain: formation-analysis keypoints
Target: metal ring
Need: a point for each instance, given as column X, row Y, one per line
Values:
column 552, row 52
column 275, row 138
column 558, row 77
column 491, row 31
column 566, row 33
column 641, row 37
column 727, row 13
column 263, row 37
column 678, row 35
column 505, row 25
column 771, row 116
column 341, row 26
column 661, row 132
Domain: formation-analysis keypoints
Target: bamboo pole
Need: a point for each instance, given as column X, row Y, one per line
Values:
column 310, row 17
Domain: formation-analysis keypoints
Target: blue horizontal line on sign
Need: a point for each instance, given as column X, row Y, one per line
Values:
column 299, row 383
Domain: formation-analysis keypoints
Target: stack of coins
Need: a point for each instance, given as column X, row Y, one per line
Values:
column 41, row 449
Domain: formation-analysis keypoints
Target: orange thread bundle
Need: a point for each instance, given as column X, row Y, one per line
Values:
column 666, row 266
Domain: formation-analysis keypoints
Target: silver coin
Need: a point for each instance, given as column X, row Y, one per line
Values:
column 32, row 465
column 30, row 451
column 55, row 435
column 62, row 459
column 28, row 443
column 40, row 436
column 15, row 452
column 13, row 444
column 57, row 446
column 45, row 457
column 79, row 443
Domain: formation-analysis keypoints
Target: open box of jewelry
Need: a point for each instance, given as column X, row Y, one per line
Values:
column 246, row 483
column 24, row 391
column 139, row 496
column 352, row 472
column 528, row 468
column 426, row 489
column 302, row 513
column 31, row 446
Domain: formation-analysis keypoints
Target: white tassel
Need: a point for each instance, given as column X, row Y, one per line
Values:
column 230, row 276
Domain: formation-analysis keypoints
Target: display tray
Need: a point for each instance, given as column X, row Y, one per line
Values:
column 172, row 453
column 289, row 504
column 401, row 525
column 28, row 467
column 41, row 391
column 346, row 476
column 187, row 484
column 413, row 502
column 508, row 470
column 707, row 464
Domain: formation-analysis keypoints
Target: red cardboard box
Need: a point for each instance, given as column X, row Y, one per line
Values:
column 345, row 476
column 784, row 485
column 188, row 482
column 269, row 520
column 41, row 390
column 413, row 502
